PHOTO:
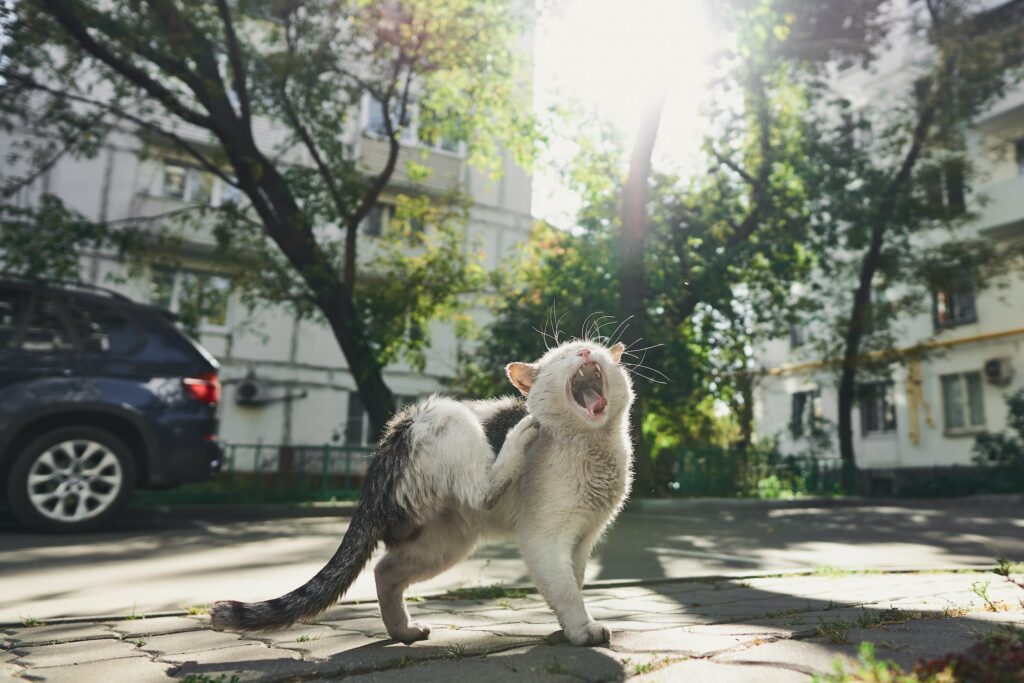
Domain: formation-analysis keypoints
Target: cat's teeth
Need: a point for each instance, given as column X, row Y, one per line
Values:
column 580, row 372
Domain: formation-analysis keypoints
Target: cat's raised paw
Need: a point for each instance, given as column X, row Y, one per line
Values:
column 526, row 432
column 410, row 634
column 590, row 634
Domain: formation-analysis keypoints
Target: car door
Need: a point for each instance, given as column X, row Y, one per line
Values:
column 38, row 354
column 37, row 339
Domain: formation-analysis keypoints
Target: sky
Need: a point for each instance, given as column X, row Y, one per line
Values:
column 610, row 56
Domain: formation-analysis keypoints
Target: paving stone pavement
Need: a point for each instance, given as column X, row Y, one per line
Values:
column 767, row 629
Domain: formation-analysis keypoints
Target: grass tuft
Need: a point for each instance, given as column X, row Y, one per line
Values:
column 492, row 592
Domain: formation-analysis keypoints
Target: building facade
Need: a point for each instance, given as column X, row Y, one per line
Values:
column 929, row 410
column 285, row 379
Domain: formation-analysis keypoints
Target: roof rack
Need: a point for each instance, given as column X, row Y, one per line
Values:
column 65, row 284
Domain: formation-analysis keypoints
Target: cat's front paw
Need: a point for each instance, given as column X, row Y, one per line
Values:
column 525, row 433
column 590, row 634
column 411, row 633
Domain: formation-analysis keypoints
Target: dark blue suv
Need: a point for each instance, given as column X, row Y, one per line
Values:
column 98, row 395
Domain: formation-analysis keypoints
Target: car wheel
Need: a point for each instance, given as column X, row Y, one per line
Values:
column 70, row 479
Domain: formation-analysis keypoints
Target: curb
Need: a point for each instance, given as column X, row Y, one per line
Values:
column 666, row 505
column 269, row 511
column 258, row 511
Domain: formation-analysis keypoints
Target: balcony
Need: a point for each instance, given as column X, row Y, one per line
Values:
column 1003, row 214
column 446, row 168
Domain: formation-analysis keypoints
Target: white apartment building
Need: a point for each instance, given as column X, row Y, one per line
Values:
column 929, row 411
column 309, row 396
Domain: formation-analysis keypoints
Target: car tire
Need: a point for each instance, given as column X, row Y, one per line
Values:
column 70, row 479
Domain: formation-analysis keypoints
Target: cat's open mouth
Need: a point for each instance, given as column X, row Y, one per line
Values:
column 587, row 389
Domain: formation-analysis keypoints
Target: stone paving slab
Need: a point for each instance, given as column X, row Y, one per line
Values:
column 79, row 652
column 704, row 670
column 773, row 629
column 156, row 626
column 250, row 661
column 62, row 633
column 133, row 669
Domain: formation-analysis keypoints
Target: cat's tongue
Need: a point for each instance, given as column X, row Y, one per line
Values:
column 595, row 401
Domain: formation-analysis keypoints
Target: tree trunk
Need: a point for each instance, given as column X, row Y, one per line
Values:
column 632, row 298
column 851, row 349
column 859, row 315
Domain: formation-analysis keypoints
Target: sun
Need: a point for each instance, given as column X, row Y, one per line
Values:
column 611, row 57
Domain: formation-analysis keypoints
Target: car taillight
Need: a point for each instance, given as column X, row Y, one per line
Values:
column 205, row 388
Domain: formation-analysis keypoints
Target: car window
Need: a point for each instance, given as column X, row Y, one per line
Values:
column 45, row 330
column 13, row 307
column 100, row 328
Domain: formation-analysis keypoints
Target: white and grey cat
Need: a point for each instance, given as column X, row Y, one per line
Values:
column 550, row 471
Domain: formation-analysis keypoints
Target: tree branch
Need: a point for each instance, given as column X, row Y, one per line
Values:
column 69, row 21
column 380, row 182
column 733, row 166
column 237, row 62
column 176, row 139
column 44, row 167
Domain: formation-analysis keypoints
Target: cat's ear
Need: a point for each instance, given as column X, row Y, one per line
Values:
column 522, row 375
column 616, row 351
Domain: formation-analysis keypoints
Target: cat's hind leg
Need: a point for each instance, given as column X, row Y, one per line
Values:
column 425, row 554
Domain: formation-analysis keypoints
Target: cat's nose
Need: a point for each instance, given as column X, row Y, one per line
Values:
column 584, row 353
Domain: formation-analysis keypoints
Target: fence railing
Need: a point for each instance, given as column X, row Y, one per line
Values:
column 751, row 472
column 276, row 473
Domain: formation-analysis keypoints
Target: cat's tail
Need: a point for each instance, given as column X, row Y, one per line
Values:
column 377, row 512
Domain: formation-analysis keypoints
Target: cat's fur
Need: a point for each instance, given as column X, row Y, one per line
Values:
column 447, row 473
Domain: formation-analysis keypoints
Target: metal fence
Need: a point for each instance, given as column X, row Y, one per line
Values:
column 276, row 473
column 752, row 472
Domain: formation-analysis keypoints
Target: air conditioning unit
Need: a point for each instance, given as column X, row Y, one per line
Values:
column 253, row 392
column 998, row 371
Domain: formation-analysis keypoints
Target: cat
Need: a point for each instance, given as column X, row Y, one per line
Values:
column 550, row 469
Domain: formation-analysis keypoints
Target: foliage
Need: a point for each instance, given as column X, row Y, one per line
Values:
column 998, row 657
column 890, row 183
column 720, row 251
column 757, row 471
column 262, row 95
column 1004, row 448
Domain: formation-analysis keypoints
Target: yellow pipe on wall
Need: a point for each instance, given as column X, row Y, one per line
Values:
column 909, row 350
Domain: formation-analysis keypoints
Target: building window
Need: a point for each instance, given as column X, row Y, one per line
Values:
column 408, row 128
column 954, row 306
column 879, row 311
column 1019, row 153
column 357, row 423
column 944, row 188
column 877, row 408
column 375, row 120
column 376, row 220
column 807, row 413
column 963, row 401
column 198, row 298
column 197, row 186
column 796, row 336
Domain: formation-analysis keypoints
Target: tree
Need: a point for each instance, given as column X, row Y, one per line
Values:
column 681, row 272
column 201, row 78
column 632, row 290
column 890, row 180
